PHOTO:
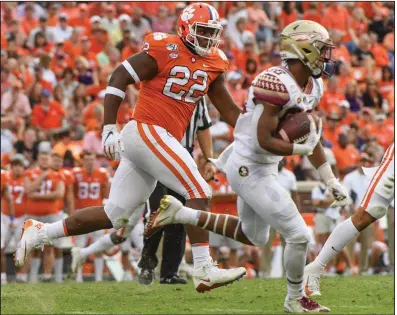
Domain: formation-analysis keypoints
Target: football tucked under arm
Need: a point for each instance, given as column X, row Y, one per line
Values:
column 270, row 95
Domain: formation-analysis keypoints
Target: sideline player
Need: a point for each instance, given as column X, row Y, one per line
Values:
column 176, row 71
column 7, row 219
column 251, row 163
column 44, row 188
column 13, row 213
column 91, row 190
column 376, row 201
column 67, row 202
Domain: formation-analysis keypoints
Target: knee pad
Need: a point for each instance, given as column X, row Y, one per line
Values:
column 300, row 237
column 258, row 238
column 377, row 206
column 377, row 212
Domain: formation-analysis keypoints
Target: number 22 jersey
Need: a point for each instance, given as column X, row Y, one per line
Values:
column 168, row 100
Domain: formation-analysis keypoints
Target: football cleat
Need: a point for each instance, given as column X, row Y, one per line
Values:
column 304, row 304
column 209, row 276
column 34, row 236
column 146, row 277
column 165, row 215
column 311, row 280
column 77, row 260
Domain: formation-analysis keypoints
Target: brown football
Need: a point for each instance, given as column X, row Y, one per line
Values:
column 294, row 127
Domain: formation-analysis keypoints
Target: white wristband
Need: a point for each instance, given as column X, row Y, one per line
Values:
column 326, row 173
column 115, row 91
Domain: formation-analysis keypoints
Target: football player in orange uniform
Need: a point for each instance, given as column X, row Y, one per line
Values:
column 7, row 219
column 13, row 212
column 176, row 71
column 67, row 202
column 91, row 190
column 44, row 187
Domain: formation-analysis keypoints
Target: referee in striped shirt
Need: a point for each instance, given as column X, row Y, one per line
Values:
column 174, row 235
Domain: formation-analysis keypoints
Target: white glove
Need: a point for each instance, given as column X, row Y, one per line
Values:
column 338, row 192
column 220, row 162
column 314, row 137
column 111, row 142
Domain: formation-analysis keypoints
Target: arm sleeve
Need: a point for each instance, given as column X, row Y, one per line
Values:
column 270, row 89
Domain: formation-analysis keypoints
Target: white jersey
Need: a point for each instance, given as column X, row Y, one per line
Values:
column 278, row 87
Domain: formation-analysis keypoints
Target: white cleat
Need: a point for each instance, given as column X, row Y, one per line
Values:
column 77, row 260
column 311, row 280
column 304, row 304
column 209, row 276
column 165, row 215
column 34, row 236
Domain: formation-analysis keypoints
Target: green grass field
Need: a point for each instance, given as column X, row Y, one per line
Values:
column 344, row 295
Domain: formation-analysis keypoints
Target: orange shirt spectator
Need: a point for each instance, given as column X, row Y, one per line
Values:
column 347, row 157
column 125, row 112
column 341, row 53
column 48, row 114
column 380, row 54
column 28, row 24
column 370, row 8
column 330, row 101
column 288, row 15
column 332, row 129
column 336, row 17
column 312, row 12
column 17, row 189
column 346, row 116
column 383, row 132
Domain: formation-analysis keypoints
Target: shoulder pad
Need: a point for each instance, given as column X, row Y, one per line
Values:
column 269, row 88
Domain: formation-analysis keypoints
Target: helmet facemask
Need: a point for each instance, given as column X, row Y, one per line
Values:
column 319, row 61
column 203, row 44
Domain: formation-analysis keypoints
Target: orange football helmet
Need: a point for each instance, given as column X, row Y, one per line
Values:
column 200, row 28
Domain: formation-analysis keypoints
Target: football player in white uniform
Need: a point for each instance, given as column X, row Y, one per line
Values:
column 376, row 201
column 251, row 163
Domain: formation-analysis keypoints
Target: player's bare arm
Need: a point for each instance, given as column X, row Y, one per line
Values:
column 31, row 186
column 222, row 100
column 136, row 68
column 205, row 142
column 266, row 129
column 139, row 67
column 9, row 200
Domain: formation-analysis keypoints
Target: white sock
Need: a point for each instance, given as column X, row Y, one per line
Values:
column 79, row 276
column 201, row 254
column 339, row 238
column 99, row 246
column 55, row 230
column 58, row 270
column 47, row 276
column 294, row 264
column 187, row 215
column 3, row 278
column 23, row 277
column 34, row 270
column 98, row 263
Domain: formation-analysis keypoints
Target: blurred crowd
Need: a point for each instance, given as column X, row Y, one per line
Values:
column 56, row 59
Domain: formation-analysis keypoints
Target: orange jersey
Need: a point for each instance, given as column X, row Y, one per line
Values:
column 68, row 180
column 17, row 189
column 88, row 192
column 39, row 207
column 4, row 180
column 183, row 78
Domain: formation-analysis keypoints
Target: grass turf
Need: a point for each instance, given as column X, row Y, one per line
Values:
column 344, row 295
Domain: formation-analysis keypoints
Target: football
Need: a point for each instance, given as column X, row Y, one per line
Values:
column 294, row 127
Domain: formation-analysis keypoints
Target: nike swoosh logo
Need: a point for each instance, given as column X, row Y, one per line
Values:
column 110, row 133
column 205, row 280
column 205, row 66
column 334, row 249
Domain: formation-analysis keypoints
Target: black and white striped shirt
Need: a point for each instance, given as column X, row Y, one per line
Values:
column 200, row 121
